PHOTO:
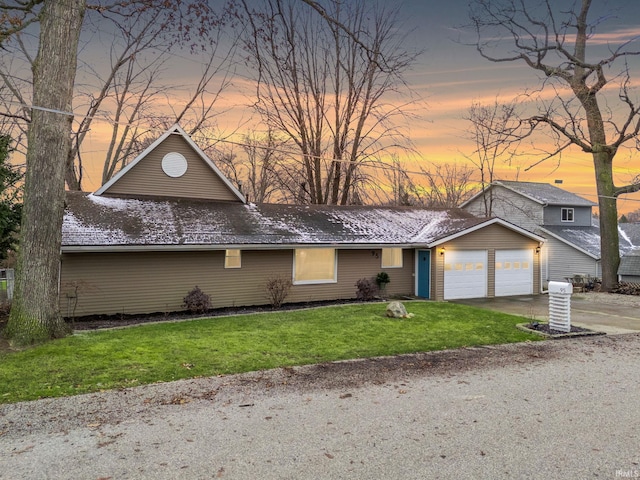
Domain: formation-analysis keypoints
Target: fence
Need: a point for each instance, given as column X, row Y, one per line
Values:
column 6, row 284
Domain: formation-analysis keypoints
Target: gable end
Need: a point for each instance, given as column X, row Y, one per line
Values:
column 173, row 166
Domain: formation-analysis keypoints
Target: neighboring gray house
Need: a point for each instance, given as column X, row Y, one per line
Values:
column 629, row 270
column 572, row 244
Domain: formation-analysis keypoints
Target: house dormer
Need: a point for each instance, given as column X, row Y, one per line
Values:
column 174, row 167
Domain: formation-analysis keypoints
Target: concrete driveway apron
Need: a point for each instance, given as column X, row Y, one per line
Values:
column 608, row 317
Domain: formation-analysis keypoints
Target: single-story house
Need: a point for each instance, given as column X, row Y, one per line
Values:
column 170, row 220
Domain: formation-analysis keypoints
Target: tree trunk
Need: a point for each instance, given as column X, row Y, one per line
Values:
column 34, row 314
column 72, row 180
column 609, row 238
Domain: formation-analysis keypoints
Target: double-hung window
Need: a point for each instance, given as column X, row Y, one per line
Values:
column 232, row 258
column 567, row 214
column 391, row 258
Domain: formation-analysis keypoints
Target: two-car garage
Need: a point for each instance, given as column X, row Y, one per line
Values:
column 467, row 273
column 492, row 259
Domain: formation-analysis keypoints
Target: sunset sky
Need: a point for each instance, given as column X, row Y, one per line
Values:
column 448, row 77
column 452, row 76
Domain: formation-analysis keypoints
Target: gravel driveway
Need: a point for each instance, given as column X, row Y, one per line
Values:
column 555, row 409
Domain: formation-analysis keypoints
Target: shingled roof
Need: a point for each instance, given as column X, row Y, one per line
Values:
column 587, row 239
column 546, row 194
column 630, row 263
column 99, row 222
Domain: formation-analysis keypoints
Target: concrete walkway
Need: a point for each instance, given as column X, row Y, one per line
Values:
column 604, row 317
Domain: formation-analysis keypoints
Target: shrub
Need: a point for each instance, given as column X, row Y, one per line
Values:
column 197, row 301
column 277, row 289
column 366, row 289
column 382, row 279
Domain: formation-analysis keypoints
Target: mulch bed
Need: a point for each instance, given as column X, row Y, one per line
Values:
column 95, row 322
column 545, row 329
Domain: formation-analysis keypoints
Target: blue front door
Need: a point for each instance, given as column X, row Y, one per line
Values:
column 424, row 273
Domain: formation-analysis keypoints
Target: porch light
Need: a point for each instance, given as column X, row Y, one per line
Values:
column 538, row 250
column 441, row 251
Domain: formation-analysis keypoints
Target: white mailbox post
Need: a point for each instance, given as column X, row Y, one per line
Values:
column 560, row 306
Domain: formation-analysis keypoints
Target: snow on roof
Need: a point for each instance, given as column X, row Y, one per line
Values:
column 630, row 263
column 630, row 232
column 101, row 221
column 546, row 193
column 588, row 238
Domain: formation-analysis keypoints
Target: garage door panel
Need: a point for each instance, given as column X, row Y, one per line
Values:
column 514, row 272
column 465, row 274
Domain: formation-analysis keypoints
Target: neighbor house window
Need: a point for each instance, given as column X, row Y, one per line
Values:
column 391, row 258
column 232, row 258
column 314, row 265
column 567, row 214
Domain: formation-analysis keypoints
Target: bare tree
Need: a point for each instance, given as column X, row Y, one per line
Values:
column 323, row 84
column 634, row 216
column 494, row 132
column 552, row 40
column 134, row 118
column 125, row 90
column 260, row 171
column 34, row 316
column 35, row 313
column 445, row 185
column 401, row 186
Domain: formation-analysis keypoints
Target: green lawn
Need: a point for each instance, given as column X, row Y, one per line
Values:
column 93, row 361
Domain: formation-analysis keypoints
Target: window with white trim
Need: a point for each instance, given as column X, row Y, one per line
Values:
column 232, row 258
column 567, row 214
column 391, row 258
column 314, row 265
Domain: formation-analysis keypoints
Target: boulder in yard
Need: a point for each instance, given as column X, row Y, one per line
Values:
column 397, row 310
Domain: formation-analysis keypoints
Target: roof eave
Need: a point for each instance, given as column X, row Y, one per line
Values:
column 218, row 247
column 486, row 223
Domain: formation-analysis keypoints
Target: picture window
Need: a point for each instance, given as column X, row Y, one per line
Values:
column 314, row 265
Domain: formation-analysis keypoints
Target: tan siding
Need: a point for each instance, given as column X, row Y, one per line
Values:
column 113, row 283
column 147, row 177
column 127, row 283
column 352, row 266
column 491, row 273
column 493, row 236
column 437, row 274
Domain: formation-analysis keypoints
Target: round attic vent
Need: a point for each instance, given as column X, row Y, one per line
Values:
column 174, row 164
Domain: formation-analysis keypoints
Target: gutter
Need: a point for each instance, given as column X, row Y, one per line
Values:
column 220, row 247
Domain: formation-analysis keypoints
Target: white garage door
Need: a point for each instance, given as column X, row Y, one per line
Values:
column 465, row 274
column 514, row 272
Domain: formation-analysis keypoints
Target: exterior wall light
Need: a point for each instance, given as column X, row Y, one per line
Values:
column 441, row 251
